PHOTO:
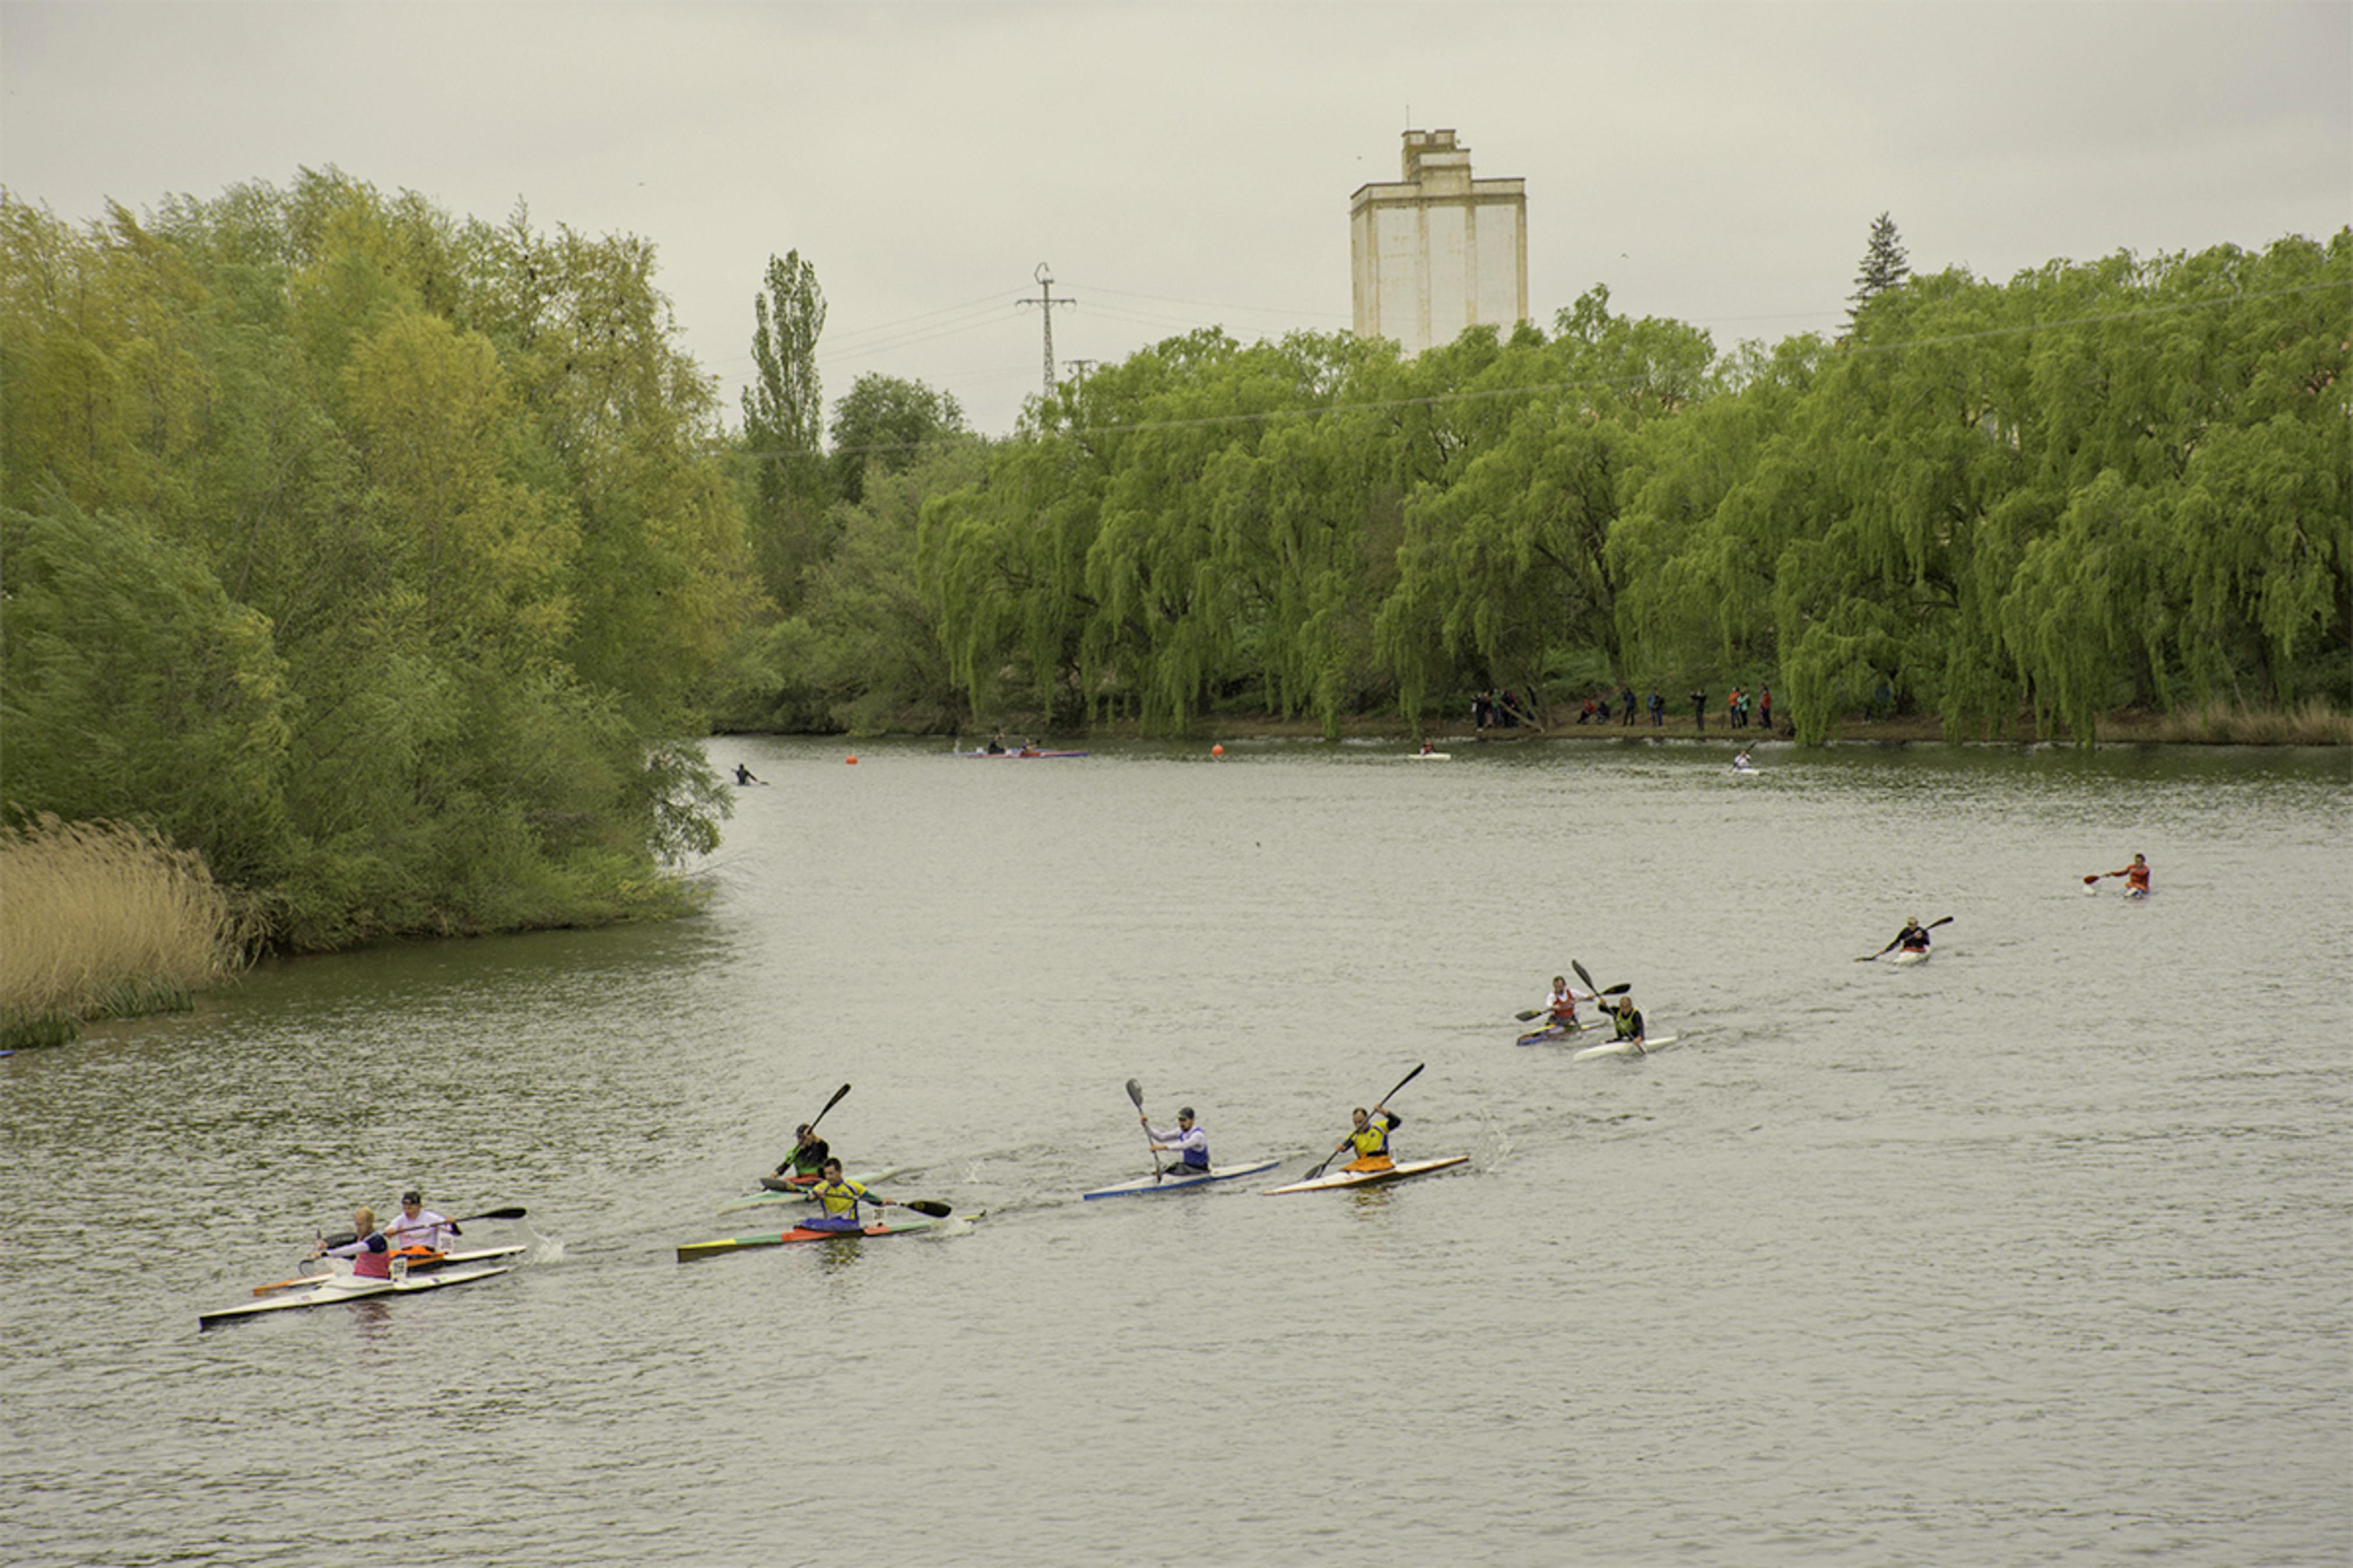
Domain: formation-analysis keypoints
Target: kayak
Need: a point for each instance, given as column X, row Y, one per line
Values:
column 1396, row 1173
column 1551, row 1032
column 694, row 1250
column 1651, row 1047
column 330, row 1289
column 1173, row 1183
column 428, row 1263
column 1431, row 756
column 1910, row 955
column 1018, row 756
column 796, row 1189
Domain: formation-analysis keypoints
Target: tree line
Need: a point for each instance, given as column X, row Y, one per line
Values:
column 390, row 559
column 2096, row 487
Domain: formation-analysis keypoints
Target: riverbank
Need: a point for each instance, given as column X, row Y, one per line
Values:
column 2312, row 725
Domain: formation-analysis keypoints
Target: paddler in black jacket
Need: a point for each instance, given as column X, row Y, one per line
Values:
column 1371, row 1138
column 808, row 1158
column 1628, row 1019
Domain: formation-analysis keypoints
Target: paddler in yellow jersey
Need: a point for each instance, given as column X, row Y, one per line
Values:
column 839, row 1199
column 1371, row 1138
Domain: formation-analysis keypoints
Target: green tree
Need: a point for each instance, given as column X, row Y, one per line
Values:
column 784, row 427
column 887, row 421
column 1885, row 267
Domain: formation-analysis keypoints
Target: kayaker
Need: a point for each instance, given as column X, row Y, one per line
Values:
column 1562, row 1002
column 1913, row 937
column 1740, row 760
column 2136, row 876
column 995, row 747
column 1627, row 1019
column 1371, row 1138
column 744, row 776
column 420, row 1226
column 1185, row 1140
column 370, row 1253
column 809, row 1156
column 839, row 1199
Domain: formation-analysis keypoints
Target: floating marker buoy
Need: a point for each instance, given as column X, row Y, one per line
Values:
column 851, row 759
column 1217, row 751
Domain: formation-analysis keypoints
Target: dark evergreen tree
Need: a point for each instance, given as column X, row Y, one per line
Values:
column 1885, row 267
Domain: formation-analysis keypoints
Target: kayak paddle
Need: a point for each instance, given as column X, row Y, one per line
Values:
column 1135, row 1093
column 1383, row 1102
column 347, row 1237
column 926, row 1206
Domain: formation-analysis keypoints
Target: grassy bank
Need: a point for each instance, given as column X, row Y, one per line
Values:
column 103, row 920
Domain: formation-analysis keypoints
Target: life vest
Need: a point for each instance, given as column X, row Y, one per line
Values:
column 2136, row 876
column 1373, row 1140
column 1628, row 1022
column 839, row 1197
column 1916, row 940
column 373, row 1260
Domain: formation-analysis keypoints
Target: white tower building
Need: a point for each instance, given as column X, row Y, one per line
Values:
column 1439, row 251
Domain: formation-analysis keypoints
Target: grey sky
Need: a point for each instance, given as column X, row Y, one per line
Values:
column 1184, row 164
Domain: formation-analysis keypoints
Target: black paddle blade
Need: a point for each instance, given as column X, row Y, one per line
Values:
column 1531, row 1012
column 1583, row 975
column 925, row 1205
column 1135, row 1093
column 1619, row 990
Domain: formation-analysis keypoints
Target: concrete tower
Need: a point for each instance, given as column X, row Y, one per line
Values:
column 1439, row 251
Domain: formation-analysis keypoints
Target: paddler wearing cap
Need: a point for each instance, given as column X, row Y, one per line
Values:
column 1185, row 1140
column 806, row 1161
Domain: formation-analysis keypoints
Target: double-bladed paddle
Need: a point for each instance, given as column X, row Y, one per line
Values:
column 1135, row 1093
column 349, row 1236
column 1882, row 953
column 830, row 1104
column 1382, row 1101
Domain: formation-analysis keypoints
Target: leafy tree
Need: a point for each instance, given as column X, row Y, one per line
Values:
column 784, row 419
column 887, row 421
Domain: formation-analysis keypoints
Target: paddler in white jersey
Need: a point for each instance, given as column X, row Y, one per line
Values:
column 420, row 1226
column 840, row 1200
column 1188, row 1142
column 1562, row 1002
column 1371, row 1138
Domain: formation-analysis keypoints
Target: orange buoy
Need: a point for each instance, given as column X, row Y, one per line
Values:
column 852, row 758
column 1217, row 751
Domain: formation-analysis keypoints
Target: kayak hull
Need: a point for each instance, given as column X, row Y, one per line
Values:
column 1552, row 1032
column 726, row 1244
column 1910, row 955
column 1338, row 1180
column 1651, row 1047
column 1143, row 1187
column 333, row 1289
column 342, row 1267
column 1017, row 756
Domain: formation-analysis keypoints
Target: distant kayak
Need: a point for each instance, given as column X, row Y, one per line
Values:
column 1176, row 1183
column 1910, row 955
column 1396, row 1173
column 1651, row 1047
column 1431, row 756
column 1015, row 757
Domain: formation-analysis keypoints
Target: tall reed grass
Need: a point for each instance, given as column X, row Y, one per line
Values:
column 102, row 919
column 2314, row 723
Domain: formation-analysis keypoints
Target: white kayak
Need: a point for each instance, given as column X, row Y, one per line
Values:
column 332, row 1289
column 1656, row 1043
column 1910, row 955
column 1431, row 756
column 1396, row 1173
column 800, row 1195
column 1175, row 1182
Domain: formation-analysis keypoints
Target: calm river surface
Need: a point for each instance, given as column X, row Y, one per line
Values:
column 2039, row 1251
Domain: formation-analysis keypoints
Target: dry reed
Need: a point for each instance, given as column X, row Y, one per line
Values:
column 104, row 920
column 2217, row 724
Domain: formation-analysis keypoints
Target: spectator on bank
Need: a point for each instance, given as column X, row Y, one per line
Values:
column 1699, row 710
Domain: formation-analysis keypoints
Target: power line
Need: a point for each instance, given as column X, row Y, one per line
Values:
column 1046, row 303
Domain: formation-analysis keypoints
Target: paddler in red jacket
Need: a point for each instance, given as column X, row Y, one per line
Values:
column 1371, row 1137
column 1562, row 1002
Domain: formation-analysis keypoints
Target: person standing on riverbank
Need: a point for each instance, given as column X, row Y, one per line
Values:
column 1765, row 708
column 1657, row 712
column 1699, row 712
column 1626, row 706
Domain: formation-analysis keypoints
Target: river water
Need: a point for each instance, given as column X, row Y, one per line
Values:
column 2038, row 1251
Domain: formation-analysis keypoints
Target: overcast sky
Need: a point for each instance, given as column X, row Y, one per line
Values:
column 1184, row 164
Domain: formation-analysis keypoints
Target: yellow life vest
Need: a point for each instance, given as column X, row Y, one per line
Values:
column 840, row 1197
